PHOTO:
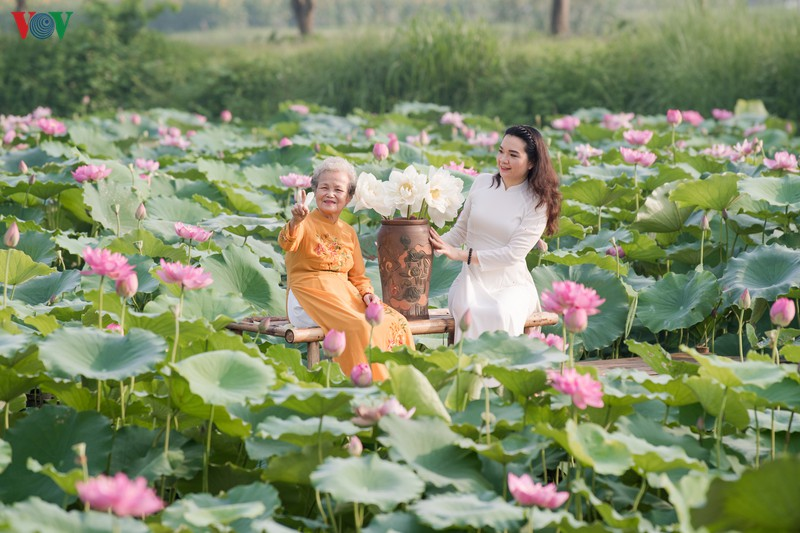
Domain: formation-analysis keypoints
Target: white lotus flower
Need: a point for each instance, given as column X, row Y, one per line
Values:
column 407, row 189
column 444, row 197
column 371, row 193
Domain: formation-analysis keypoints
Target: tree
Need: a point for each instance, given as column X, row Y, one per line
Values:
column 20, row 5
column 303, row 11
column 560, row 10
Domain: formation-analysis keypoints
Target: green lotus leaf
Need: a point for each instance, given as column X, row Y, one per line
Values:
column 14, row 384
column 305, row 431
column 93, row 140
column 396, row 521
column 498, row 348
column 601, row 260
column 11, row 344
column 136, row 454
column 54, row 429
column 605, row 326
column 105, row 196
column 521, row 381
column 35, row 514
column 413, row 389
column 655, row 434
column 515, row 447
column 444, row 272
column 237, row 270
column 660, row 213
column 45, row 289
column 678, row 301
column 222, row 377
column 766, row 271
column 5, row 455
column 17, row 267
column 660, row 360
column 643, row 248
column 763, row 499
column 205, row 304
column 242, row 225
column 712, row 395
column 368, row 480
column 317, row 401
column 469, row 511
column 430, row 447
column 782, row 191
column 71, row 352
column 716, row 192
column 37, row 246
column 732, row 373
column 195, row 406
column 569, row 228
column 623, row 387
column 292, row 157
column 595, row 192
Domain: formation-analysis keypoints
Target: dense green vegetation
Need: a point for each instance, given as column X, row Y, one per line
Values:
column 689, row 58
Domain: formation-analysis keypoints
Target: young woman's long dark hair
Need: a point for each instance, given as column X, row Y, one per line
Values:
column 542, row 178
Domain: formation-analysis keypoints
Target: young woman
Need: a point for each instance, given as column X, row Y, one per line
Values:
column 326, row 274
column 503, row 218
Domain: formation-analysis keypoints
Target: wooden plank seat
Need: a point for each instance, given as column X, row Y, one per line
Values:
column 439, row 321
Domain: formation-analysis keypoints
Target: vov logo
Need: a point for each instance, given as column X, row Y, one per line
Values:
column 42, row 25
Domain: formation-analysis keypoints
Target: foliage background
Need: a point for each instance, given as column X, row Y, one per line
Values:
column 244, row 55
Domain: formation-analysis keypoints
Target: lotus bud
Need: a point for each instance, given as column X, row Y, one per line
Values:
column 674, row 117
column 23, row 167
column 139, row 246
column 782, row 312
column 745, row 300
column 466, row 321
column 334, row 343
column 380, row 151
column 361, row 375
column 32, row 179
column 369, row 133
column 127, row 287
column 12, row 236
column 81, row 452
column 393, row 146
column 725, row 214
column 226, row 115
column 704, row 223
column 375, row 313
column 354, row 447
column 140, row 212
column 284, row 142
column 575, row 320
column 117, row 208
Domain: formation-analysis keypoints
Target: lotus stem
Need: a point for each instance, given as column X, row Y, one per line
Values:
column 6, row 417
column 458, row 373
column 489, row 420
column 320, row 507
column 774, row 345
column 100, row 303
column 98, row 395
column 640, row 494
column 571, row 350
column 702, row 239
column 756, row 428
column 635, row 183
column 358, row 521
column 787, row 433
column 740, row 335
column 177, row 325
column 545, row 468
column 773, row 438
column 122, row 388
column 718, row 425
column 207, row 458
column 5, row 277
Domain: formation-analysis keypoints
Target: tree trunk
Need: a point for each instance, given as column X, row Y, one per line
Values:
column 303, row 11
column 20, row 5
column 559, row 17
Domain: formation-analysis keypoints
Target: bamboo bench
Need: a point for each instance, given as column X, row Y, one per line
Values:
column 439, row 321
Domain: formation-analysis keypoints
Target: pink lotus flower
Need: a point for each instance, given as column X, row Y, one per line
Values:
column 127, row 286
column 300, row 109
column 568, row 295
column 375, row 312
column 614, row 251
column 585, row 152
column 756, row 128
column 617, row 121
column 51, row 126
column 284, row 142
column 225, row 115
column 551, row 339
column 454, row 119
column 115, row 328
column 459, row 167
column 783, row 311
column 527, row 492
column 721, row 151
column 567, row 123
column 782, row 161
column 354, row 447
column 722, row 114
column 147, row 164
column 674, row 117
column 583, row 389
column 487, row 140
column 638, row 137
column 12, row 236
column 102, row 262
column 746, row 148
column 91, row 173
column 637, row 157
column 692, row 117
column 8, row 138
column 368, row 415
column 422, row 139
column 194, row 233
column 298, row 181
column 334, row 343
column 187, row 276
column 119, row 494
column 135, row 119
column 361, row 375
column 380, row 151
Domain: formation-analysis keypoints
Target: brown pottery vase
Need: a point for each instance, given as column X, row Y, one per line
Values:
column 406, row 259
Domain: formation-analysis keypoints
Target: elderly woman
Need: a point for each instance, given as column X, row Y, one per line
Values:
column 326, row 280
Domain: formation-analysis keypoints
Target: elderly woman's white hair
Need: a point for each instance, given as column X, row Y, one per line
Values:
column 335, row 164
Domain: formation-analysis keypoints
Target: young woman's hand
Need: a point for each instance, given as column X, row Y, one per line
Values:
column 442, row 248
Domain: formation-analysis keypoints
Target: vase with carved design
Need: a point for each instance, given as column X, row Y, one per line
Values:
column 406, row 260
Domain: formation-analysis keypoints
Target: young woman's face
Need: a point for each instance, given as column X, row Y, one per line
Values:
column 513, row 163
column 332, row 193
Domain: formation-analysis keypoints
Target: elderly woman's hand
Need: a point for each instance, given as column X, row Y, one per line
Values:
column 370, row 298
column 300, row 209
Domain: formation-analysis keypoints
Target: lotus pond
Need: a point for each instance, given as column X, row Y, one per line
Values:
column 687, row 227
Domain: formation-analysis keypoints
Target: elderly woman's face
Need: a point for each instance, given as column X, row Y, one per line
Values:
column 332, row 193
